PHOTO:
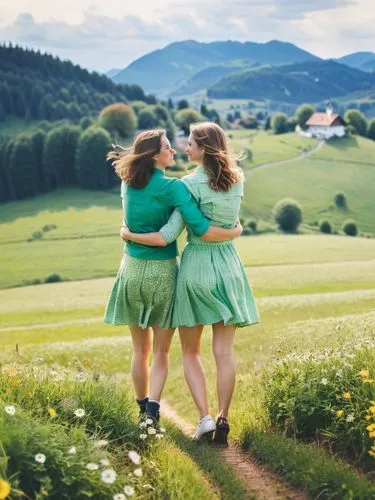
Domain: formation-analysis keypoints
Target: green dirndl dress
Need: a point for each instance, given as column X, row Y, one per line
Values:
column 143, row 293
column 212, row 286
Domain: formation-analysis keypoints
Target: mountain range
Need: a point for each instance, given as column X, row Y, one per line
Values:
column 279, row 70
column 163, row 71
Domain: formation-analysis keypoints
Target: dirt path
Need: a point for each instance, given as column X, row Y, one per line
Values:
column 262, row 483
column 301, row 156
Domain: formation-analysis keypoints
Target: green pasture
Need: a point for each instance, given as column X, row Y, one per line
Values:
column 314, row 181
column 268, row 147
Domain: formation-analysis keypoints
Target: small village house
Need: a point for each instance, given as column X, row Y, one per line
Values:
column 325, row 125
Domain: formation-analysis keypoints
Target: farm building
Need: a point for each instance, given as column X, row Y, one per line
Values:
column 325, row 125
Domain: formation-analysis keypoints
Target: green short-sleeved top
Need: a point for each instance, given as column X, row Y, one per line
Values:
column 221, row 207
column 147, row 209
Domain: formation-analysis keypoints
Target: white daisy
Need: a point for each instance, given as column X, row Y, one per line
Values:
column 80, row 412
column 104, row 462
column 151, row 430
column 119, row 496
column 149, row 421
column 134, row 457
column 142, row 425
column 72, row 450
column 108, row 476
column 143, row 436
column 324, row 381
column 162, row 430
column 138, row 472
column 40, row 458
column 129, row 491
column 10, row 410
column 350, row 417
column 159, row 436
column 92, row 466
column 100, row 442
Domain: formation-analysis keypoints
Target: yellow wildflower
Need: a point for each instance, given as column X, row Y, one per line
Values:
column 339, row 413
column 370, row 427
column 367, row 417
column 364, row 373
column 346, row 395
column 52, row 412
column 371, row 453
column 11, row 371
column 371, row 434
column 4, row 489
column 372, row 409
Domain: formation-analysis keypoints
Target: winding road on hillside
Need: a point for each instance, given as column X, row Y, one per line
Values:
column 304, row 154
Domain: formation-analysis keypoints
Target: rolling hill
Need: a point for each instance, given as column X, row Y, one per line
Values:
column 360, row 60
column 179, row 61
column 311, row 81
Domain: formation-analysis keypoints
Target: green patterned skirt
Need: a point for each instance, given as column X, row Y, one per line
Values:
column 212, row 286
column 143, row 293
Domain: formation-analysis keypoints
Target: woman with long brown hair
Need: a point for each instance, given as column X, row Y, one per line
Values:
column 144, row 290
column 212, row 287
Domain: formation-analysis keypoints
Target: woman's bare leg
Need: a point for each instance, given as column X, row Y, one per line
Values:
column 193, row 369
column 159, row 368
column 222, row 342
column 140, row 360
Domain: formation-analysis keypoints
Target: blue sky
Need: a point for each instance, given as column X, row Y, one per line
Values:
column 112, row 33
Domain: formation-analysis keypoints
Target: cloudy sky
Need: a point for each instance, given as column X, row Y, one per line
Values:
column 112, row 33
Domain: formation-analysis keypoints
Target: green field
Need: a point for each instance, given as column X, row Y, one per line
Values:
column 314, row 181
column 267, row 147
column 313, row 292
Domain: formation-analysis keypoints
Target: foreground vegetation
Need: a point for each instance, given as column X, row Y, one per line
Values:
column 316, row 303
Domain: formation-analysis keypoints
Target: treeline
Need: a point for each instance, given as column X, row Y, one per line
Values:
column 356, row 122
column 42, row 87
column 50, row 158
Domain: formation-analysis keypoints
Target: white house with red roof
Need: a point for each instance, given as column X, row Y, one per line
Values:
column 325, row 125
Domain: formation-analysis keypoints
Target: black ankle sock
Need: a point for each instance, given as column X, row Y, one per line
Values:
column 153, row 408
column 142, row 403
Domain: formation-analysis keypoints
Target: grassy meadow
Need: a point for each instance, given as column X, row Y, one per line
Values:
column 316, row 296
column 319, row 307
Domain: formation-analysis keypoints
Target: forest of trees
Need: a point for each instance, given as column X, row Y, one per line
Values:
column 42, row 87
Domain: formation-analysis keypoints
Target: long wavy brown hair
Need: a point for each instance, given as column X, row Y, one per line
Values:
column 218, row 161
column 135, row 165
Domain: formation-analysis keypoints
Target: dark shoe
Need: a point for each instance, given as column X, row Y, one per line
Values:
column 222, row 431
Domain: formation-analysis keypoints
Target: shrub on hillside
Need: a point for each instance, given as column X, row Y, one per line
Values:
column 37, row 235
column 328, row 395
column 371, row 130
column 303, row 113
column 279, row 123
column 23, row 168
column 325, row 226
column 185, row 117
column 350, row 227
column 288, row 215
column 340, row 200
column 93, row 171
column 252, row 224
column 119, row 119
column 53, row 278
column 357, row 120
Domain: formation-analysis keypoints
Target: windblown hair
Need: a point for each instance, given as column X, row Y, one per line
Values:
column 219, row 163
column 135, row 165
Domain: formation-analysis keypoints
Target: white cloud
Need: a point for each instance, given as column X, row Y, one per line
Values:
column 111, row 35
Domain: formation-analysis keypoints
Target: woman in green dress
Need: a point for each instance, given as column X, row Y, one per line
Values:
column 212, row 287
column 144, row 290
